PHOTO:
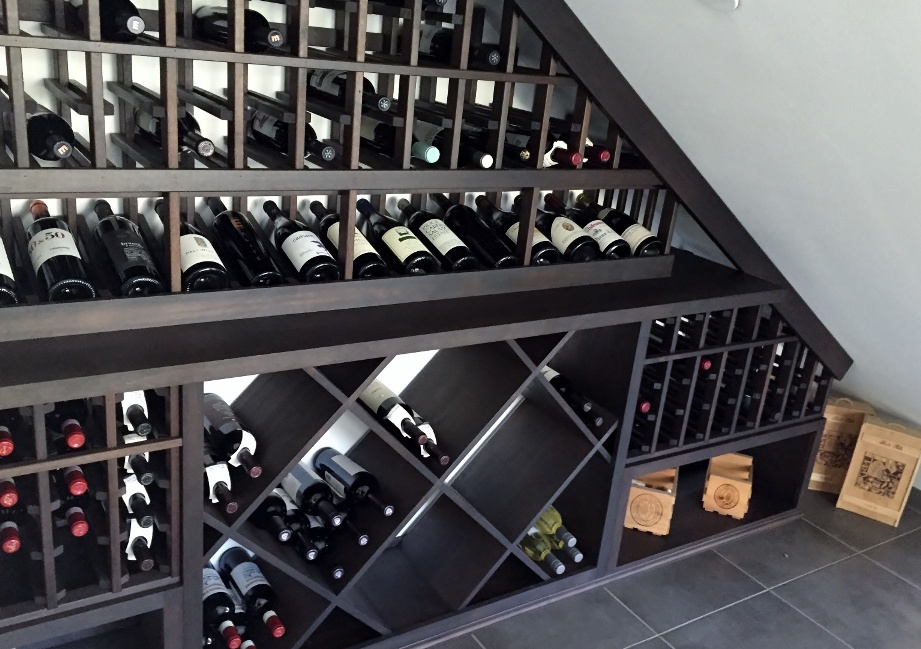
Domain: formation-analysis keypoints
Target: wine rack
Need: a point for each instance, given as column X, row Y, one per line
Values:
column 741, row 362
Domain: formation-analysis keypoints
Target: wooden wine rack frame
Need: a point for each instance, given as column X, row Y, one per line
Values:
column 591, row 320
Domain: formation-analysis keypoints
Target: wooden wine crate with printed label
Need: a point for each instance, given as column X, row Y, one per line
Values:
column 882, row 471
column 652, row 501
column 843, row 418
column 728, row 489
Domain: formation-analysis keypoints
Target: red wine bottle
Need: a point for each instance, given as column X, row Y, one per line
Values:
column 447, row 247
column 11, row 524
column 522, row 150
column 396, row 242
column 543, row 253
column 612, row 245
column 217, row 481
column 9, row 292
column 237, row 567
column 139, row 421
column 55, row 257
column 366, row 262
column 643, row 243
column 9, row 494
column 491, row 250
column 348, row 479
column 270, row 516
column 302, row 247
column 72, row 511
column 230, row 441
column 312, row 496
column 273, row 133
column 238, row 239
column 213, row 24
column 330, row 85
column 218, row 608
column 190, row 136
column 8, row 424
column 65, row 425
column 597, row 157
column 566, row 236
column 126, row 253
column 436, row 43
column 118, row 19
column 202, row 268
column 71, row 480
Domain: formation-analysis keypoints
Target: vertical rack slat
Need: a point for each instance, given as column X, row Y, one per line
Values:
column 44, row 505
column 407, row 85
column 357, row 31
column 61, row 70
column 347, row 200
column 543, row 100
column 581, row 117
column 236, row 89
column 14, row 75
column 527, row 216
column 175, row 481
column 125, row 118
column 652, row 201
column 192, row 530
column 502, row 95
column 298, row 21
column 669, row 219
column 114, row 486
column 457, row 87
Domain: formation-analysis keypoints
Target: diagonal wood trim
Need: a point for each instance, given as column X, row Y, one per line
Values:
column 556, row 23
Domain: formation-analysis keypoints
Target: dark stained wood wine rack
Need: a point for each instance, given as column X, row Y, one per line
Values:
column 727, row 358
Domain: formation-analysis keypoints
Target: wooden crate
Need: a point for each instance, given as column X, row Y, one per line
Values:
column 652, row 501
column 843, row 418
column 883, row 470
column 729, row 485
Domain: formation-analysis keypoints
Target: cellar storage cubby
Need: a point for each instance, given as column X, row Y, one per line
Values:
column 488, row 406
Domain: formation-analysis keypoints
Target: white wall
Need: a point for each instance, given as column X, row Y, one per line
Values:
column 804, row 116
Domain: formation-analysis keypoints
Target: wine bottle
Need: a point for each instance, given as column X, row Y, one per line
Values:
column 574, row 553
column 140, row 467
column 366, row 262
column 403, row 251
column 237, row 566
column 65, row 425
column 519, row 140
column 596, row 157
column 348, row 479
column 448, row 248
column 330, row 85
column 436, row 43
column 71, row 480
column 8, row 424
column 540, row 551
column 218, row 608
column 270, row 516
column 381, row 137
column 72, row 511
column 348, row 511
column 312, row 496
column 139, row 421
column 479, row 237
column 126, row 253
column 643, row 243
column 571, row 240
column 551, row 524
column 543, row 253
column 48, row 136
column 217, row 481
column 10, row 530
column 138, row 550
column 313, row 261
column 242, row 246
column 587, row 410
column 118, row 19
column 9, row 292
column 137, row 500
column 9, row 494
column 469, row 153
column 612, row 245
column 273, row 133
column 213, row 24
column 559, row 153
column 55, row 258
column 202, row 268
column 190, row 136
column 229, row 440
column 305, row 535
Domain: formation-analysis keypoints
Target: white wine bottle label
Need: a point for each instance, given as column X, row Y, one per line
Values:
column 548, row 157
column 376, row 394
column 602, row 233
column 265, row 124
column 538, row 237
column 303, row 246
column 635, row 235
column 440, row 236
column 247, row 576
column 427, row 36
column 196, row 249
column 135, row 531
column 426, row 132
column 397, row 415
column 402, row 242
column 217, row 473
column 325, row 80
column 563, row 232
column 131, row 486
column 247, row 443
column 368, row 126
column 5, row 268
column 361, row 244
column 549, row 373
column 51, row 243
column 211, row 583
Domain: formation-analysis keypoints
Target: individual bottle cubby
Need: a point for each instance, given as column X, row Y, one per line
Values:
column 21, row 547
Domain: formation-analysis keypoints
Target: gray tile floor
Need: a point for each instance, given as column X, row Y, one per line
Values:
column 832, row 580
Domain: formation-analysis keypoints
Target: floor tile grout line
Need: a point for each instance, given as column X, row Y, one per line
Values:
column 795, row 608
column 831, row 535
column 894, row 538
column 764, row 586
column 478, row 641
column 890, row 570
column 631, row 611
column 705, row 615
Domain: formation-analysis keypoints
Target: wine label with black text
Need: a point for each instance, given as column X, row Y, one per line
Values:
column 362, row 246
column 5, row 268
column 265, row 124
column 303, row 246
column 402, row 242
column 440, row 235
column 512, row 233
column 325, row 80
column 211, row 583
column 426, row 132
column 563, row 232
column 376, row 394
column 247, row 576
column 602, row 233
column 51, row 243
column 427, row 36
column 126, row 249
column 635, row 235
column 196, row 249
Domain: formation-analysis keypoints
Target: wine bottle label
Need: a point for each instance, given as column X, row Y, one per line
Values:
column 512, row 233
column 518, row 139
column 368, row 126
column 426, row 132
column 238, row 605
column 5, row 268
column 265, row 124
column 440, row 235
column 548, row 157
column 219, row 415
column 196, row 249
column 402, row 242
column 131, row 487
column 126, row 249
column 602, row 233
column 635, row 235
column 215, row 474
column 563, row 232
column 397, row 415
column 303, row 246
column 247, row 576
column 247, row 443
column 211, row 583
column 427, row 36
column 361, row 244
column 135, row 532
column 325, row 81
column 548, row 373
column 51, row 243
column 376, row 394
